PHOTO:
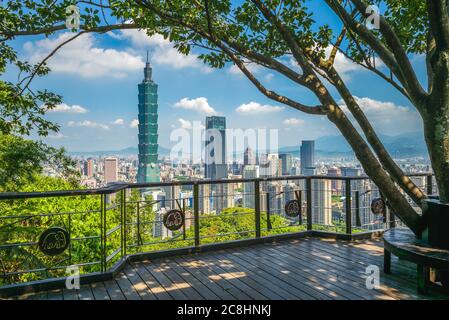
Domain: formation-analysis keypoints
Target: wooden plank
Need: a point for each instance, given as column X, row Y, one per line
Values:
column 85, row 293
column 348, row 266
column 26, row 296
column 402, row 287
column 310, row 284
column 203, row 290
column 204, row 279
column 55, row 294
column 179, row 282
column 280, row 275
column 127, row 287
column 158, row 291
column 70, row 294
column 114, row 291
column 339, row 286
column 173, row 290
column 283, row 289
column 99, row 291
column 229, row 278
column 228, row 281
column 41, row 295
column 138, row 284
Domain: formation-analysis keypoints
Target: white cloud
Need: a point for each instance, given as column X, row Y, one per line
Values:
column 134, row 123
column 269, row 76
column 88, row 124
column 118, row 121
column 200, row 105
column 388, row 117
column 252, row 67
column 82, row 57
column 185, row 124
column 64, row 108
column 293, row 122
column 257, row 108
column 57, row 135
column 162, row 51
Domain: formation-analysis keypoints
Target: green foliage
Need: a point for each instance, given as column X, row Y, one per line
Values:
column 21, row 160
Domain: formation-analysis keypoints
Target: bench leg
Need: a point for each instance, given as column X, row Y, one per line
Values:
column 423, row 277
column 387, row 261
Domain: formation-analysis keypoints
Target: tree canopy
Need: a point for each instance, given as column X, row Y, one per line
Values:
column 271, row 33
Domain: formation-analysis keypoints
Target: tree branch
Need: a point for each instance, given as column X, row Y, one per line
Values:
column 410, row 79
column 439, row 22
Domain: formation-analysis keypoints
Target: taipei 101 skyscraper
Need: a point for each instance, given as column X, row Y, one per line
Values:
column 148, row 170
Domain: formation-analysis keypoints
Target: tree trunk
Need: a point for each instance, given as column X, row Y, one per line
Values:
column 436, row 123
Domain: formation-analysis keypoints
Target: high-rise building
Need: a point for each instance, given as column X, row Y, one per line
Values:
column 110, row 170
column 249, row 158
column 215, row 162
column 269, row 165
column 89, row 167
column 148, row 170
column 286, row 163
column 307, row 154
column 336, row 184
column 321, row 201
column 275, row 197
column 249, row 172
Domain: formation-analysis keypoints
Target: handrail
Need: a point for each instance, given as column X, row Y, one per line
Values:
column 118, row 186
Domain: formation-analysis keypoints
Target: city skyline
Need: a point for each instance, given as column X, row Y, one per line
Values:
column 102, row 101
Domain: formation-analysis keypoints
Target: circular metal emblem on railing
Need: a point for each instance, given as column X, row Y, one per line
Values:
column 173, row 220
column 54, row 241
column 293, row 208
column 378, row 206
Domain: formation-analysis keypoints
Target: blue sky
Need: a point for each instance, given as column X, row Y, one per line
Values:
column 98, row 75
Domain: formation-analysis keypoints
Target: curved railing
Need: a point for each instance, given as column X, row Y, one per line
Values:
column 106, row 226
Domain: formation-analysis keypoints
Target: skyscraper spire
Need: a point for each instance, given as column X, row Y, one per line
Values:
column 148, row 70
column 148, row 138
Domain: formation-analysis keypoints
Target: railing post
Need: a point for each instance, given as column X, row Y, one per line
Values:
column 298, row 196
column 257, row 207
column 123, row 222
column 348, row 207
column 358, row 221
column 429, row 185
column 196, row 213
column 309, row 203
column 269, row 227
column 103, row 233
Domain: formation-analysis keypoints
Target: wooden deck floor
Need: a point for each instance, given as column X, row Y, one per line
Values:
column 308, row 268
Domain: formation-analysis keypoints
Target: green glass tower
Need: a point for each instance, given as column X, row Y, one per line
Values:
column 148, row 170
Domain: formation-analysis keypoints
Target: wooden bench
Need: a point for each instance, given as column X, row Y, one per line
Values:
column 404, row 244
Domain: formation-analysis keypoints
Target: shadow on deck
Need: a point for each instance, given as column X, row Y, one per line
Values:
column 308, row 268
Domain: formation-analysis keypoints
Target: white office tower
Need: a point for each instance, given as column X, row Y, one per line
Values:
column 159, row 230
column 204, row 198
column 322, row 201
column 222, row 196
column 269, row 165
column 249, row 172
column 275, row 198
column 172, row 193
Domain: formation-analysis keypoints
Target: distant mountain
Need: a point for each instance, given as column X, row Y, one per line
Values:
column 404, row 145
column 123, row 152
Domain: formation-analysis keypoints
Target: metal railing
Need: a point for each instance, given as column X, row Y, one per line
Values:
column 106, row 225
